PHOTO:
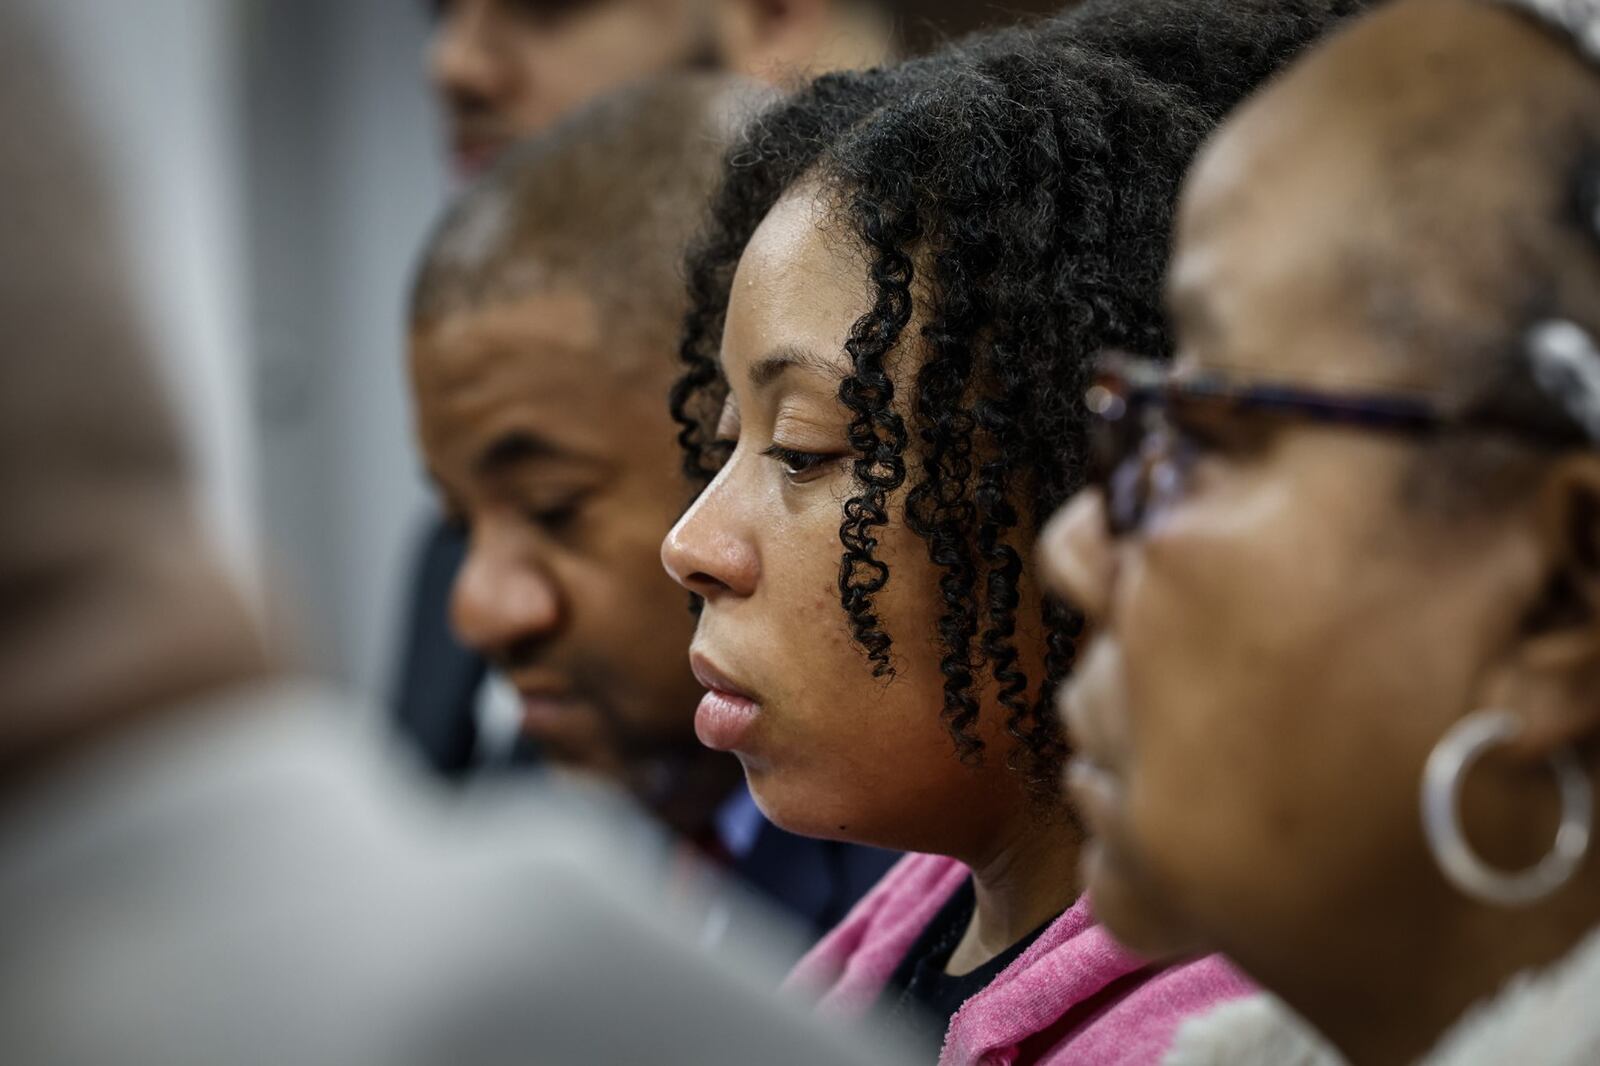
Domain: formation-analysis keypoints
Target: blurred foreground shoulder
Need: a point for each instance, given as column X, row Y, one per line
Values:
column 249, row 882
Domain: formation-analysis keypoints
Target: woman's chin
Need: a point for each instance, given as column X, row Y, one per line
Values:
column 800, row 810
column 1138, row 923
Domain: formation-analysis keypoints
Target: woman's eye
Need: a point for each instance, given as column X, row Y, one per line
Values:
column 1189, row 444
column 1200, row 433
column 800, row 466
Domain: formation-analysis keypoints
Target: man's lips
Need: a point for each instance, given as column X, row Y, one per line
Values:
column 474, row 155
column 550, row 709
column 545, row 709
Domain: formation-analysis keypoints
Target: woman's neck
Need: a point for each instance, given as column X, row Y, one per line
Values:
column 1026, row 877
column 1410, row 987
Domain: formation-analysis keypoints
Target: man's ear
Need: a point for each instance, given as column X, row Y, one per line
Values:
column 1551, row 675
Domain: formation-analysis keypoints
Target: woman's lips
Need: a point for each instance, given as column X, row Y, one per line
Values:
column 1094, row 786
column 723, row 721
column 727, row 713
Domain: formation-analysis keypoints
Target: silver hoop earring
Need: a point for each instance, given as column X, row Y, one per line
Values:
column 1447, row 768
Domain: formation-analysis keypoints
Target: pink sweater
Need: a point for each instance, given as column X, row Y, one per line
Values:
column 1074, row 996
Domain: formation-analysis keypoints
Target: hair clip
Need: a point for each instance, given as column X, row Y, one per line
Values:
column 1566, row 367
column 1578, row 20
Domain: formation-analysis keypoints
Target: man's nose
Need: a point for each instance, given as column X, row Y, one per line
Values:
column 500, row 600
column 461, row 57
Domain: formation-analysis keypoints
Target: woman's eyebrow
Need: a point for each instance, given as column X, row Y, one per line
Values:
column 771, row 367
column 1191, row 313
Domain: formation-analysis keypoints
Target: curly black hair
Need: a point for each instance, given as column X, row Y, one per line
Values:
column 1021, row 186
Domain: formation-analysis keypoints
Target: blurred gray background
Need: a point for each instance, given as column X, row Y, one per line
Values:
column 277, row 163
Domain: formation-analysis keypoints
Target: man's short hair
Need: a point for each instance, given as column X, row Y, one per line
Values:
column 605, row 202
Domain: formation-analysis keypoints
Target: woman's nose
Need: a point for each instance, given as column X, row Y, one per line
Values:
column 708, row 554
column 1076, row 556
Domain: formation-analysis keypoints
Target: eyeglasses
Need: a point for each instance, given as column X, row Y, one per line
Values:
column 1148, row 425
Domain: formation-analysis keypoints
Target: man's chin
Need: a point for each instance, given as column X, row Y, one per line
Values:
column 582, row 762
column 678, row 782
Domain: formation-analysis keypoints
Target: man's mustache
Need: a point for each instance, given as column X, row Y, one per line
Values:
column 585, row 686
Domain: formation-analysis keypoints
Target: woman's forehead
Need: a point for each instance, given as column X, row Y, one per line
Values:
column 803, row 240
column 798, row 287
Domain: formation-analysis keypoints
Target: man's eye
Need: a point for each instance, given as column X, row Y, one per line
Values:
column 800, row 466
column 554, row 519
column 719, row 451
column 548, row 12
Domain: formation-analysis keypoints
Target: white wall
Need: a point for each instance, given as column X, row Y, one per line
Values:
column 344, row 175
column 389, row 182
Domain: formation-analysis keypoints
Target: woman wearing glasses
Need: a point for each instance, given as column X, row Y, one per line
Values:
column 901, row 269
column 1341, row 719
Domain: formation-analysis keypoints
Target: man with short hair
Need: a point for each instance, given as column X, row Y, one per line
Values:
column 543, row 332
column 509, row 68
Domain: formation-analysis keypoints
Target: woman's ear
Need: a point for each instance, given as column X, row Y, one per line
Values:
column 1551, row 675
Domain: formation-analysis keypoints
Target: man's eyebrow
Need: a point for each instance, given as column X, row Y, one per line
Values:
column 514, row 448
column 770, row 368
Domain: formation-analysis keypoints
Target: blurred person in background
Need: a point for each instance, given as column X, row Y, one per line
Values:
column 1342, row 718
column 544, row 321
column 902, row 269
column 199, row 862
column 507, row 69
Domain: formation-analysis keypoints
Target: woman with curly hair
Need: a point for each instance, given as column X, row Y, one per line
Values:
column 894, row 308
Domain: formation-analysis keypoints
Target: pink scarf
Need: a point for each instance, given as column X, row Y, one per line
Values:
column 1075, row 996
